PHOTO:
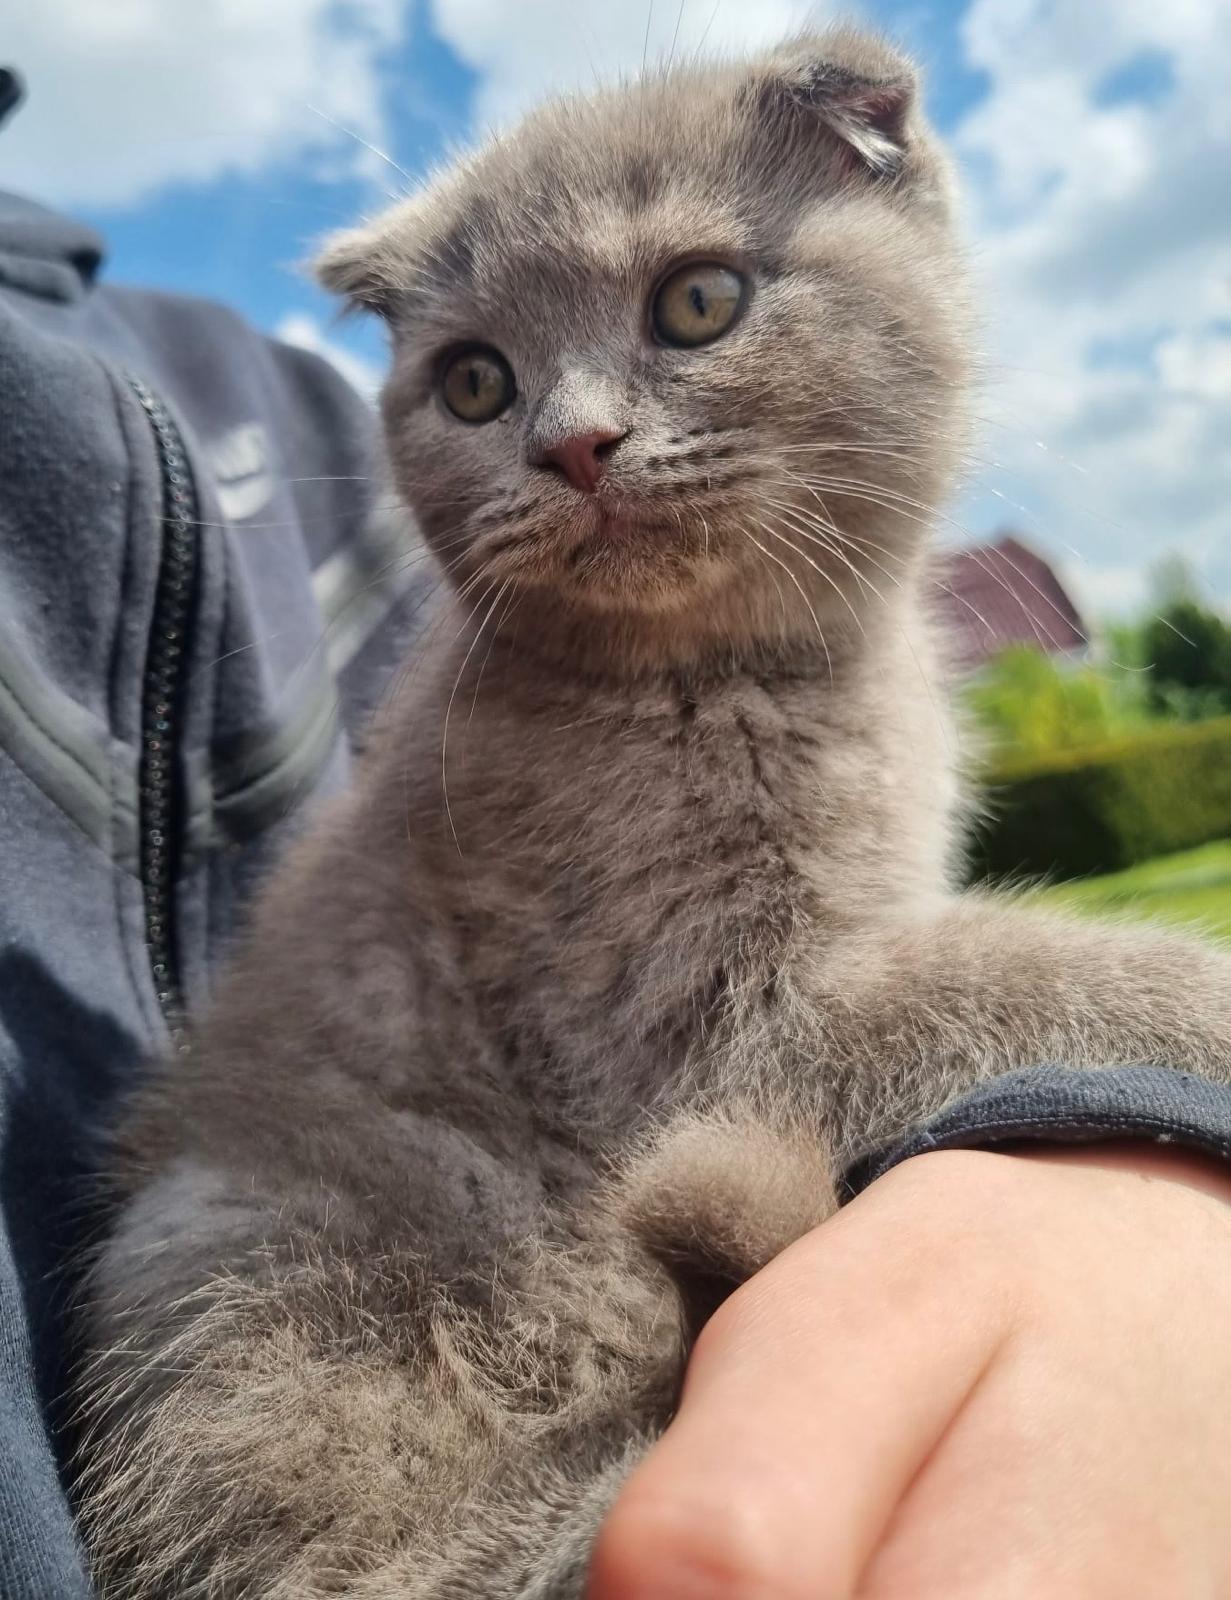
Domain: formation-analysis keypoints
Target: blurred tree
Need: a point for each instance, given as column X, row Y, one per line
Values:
column 1187, row 649
column 1172, row 579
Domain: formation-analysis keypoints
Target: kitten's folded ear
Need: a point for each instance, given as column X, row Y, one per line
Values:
column 853, row 87
column 348, row 263
column 371, row 264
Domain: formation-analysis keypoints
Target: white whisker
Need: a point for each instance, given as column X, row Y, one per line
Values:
column 820, row 632
column 444, row 737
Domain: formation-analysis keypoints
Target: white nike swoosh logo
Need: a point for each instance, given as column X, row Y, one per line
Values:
column 244, row 497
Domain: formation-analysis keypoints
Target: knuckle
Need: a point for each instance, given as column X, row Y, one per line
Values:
column 658, row 1545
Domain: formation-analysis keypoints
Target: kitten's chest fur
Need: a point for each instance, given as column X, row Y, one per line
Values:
column 628, row 878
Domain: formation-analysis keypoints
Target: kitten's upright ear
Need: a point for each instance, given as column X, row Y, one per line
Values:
column 860, row 91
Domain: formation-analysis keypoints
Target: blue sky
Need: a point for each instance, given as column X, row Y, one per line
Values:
column 212, row 141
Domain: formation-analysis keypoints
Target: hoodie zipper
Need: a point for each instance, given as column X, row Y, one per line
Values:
column 161, row 801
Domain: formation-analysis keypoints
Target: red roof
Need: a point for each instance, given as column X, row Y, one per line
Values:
column 993, row 596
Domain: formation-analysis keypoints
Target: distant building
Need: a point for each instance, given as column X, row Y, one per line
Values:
column 992, row 597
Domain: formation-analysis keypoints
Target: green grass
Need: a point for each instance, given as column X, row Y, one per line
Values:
column 1192, row 887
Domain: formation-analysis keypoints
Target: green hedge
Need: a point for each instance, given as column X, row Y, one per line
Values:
column 1108, row 806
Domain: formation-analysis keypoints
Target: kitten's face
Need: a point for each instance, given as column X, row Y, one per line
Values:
column 689, row 351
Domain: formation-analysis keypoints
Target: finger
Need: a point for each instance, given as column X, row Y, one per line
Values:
column 1048, row 1482
column 1005, row 1507
column 812, row 1399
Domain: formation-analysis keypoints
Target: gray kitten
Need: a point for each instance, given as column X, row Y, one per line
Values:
column 640, row 922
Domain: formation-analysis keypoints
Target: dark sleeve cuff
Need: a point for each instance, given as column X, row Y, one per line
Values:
column 1056, row 1103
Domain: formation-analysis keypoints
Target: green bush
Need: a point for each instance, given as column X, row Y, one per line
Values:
column 1109, row 806
column 1029, row 705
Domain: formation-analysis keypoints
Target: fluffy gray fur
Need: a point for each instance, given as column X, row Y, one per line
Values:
column 640, row 922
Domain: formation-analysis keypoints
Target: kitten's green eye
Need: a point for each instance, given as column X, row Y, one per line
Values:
column 697, row 303
column 477, row 384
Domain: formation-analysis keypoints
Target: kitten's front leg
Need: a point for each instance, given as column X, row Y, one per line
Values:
column 916, row 1015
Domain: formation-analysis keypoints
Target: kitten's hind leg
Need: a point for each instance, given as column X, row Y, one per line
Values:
column 288, row 1414
column 271, row 1440
column 712, row 1193
column 531, row 1540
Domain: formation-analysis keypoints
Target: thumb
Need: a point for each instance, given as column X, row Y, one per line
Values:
column 812, row 1398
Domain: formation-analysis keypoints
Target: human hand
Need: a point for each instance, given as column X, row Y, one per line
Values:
column 991, row 1377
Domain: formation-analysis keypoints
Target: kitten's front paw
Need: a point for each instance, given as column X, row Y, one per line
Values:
column 725, row 1190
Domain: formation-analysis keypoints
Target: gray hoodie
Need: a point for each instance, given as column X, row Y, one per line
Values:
column 197, row 603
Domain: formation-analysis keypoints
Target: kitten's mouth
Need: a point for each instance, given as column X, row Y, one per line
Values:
column 647, row 528
column 615, row 553
column 634, row 519
column 617, row 517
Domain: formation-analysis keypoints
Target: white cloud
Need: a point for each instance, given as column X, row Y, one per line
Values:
column 1197, row 367
column 1104, row 241
column 126, row 96
column 306, row 333
column 525, row 51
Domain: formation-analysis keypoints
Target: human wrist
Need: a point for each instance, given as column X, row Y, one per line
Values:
column 1147, row 1159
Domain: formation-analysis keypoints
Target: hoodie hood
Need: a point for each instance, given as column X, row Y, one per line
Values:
column 44, row 254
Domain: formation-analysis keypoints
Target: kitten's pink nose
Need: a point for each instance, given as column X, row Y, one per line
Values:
column 580, row 457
